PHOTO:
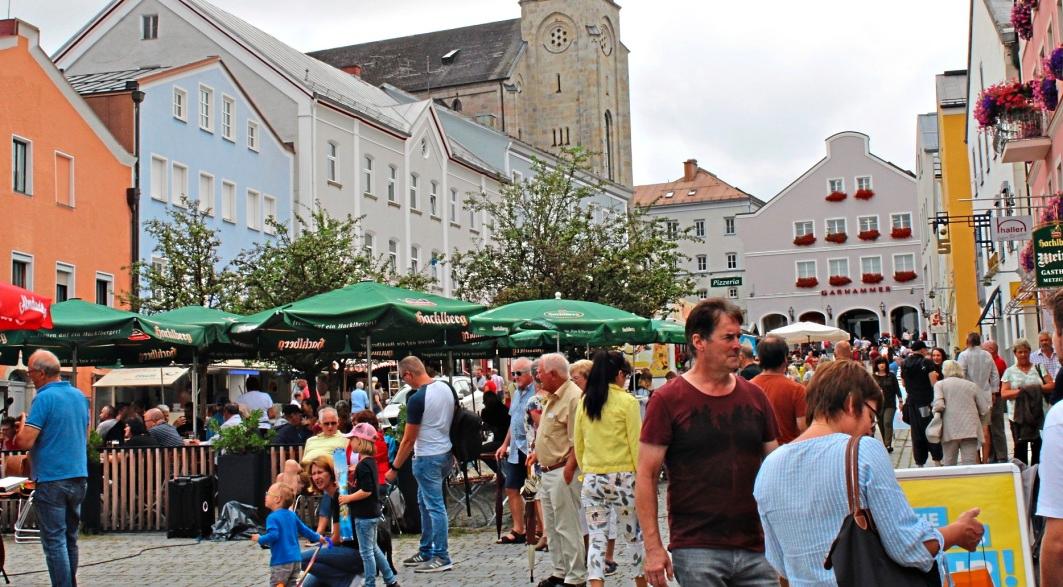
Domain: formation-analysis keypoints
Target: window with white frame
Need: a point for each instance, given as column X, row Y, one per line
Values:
column 160, row 265
column 836, row 185
column 471, row 211
column 64, row 179
column 369, row 244
column 729, row 225
column 413, row 192
column 22, row 270
column 806, row 269
column 254, row 210
column 839, row 267
column 905, row 262
column 392, row 180
column 804, row 227
column 732, row 260
column 149, row 27
column 671, row 229
column 104, row 289
column 393, row 254
column 702, row 262
column 158, row 178
column 228, row 107
column 22, row 166
column 732, row 292
column 415, row 259
column 863, row 182
column 252, row 135
column 331, row 161
column 868, row 223
column 228, row 201
column 269, row 211
column 433, row 198
column 179, row 186
column 454, row 206
column 871, row 265
column 699, row 228
column 703, row 293
column 901, row 220
column 180, row 104
column 64, row 281
column 435, row 264
column 835, row 225
column 206, row 193
column 367, row 175
column 206, row 108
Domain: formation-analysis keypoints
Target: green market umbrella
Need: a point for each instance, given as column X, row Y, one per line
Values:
column 575, row 322
column 669, row 332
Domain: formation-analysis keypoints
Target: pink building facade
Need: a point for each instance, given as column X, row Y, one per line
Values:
column 1044, row 154
column 838, row 246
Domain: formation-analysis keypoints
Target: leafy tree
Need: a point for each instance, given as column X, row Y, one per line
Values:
column 191, row 273
column 545, row 238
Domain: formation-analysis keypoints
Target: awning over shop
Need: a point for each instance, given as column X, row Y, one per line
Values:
column 989, row 314
column 146, row 377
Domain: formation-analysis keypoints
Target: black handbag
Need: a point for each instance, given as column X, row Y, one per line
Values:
column 857, row 555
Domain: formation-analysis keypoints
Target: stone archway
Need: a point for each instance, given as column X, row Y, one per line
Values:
column 860, row 322
column 773, row 321
column 813, row 316
column 904, row 317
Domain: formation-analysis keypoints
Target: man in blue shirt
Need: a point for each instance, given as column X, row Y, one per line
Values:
column 514, row 448
column 56, row 432
column 359, row 399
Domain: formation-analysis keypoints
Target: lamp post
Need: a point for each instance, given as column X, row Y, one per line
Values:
column 830, row 312
column 790, row 311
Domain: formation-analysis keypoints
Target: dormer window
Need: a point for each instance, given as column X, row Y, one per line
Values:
column 669, row 194
column 692, row 191
column 149, row 27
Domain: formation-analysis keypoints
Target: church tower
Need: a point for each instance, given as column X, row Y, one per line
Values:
column 575, row 86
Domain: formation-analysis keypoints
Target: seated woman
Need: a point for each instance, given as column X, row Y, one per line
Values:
column 136, row 434
column 340, row 564
column 801, row 489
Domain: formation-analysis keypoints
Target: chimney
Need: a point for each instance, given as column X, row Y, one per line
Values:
column 690, row 169
column 355, row 70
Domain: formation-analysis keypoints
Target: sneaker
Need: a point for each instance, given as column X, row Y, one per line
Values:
column 435, row 565
column 395, row 584
column 610, row 568
column 415, row 561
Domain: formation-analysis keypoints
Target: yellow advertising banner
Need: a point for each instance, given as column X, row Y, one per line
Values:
column 940, row 495
column 652, row 356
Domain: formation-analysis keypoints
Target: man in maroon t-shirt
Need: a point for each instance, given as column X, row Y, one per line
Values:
column 787, row 396
column 711, row 430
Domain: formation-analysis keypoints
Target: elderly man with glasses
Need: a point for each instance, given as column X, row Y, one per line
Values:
column 514, row 449
column 330, row 438
column 160, row 429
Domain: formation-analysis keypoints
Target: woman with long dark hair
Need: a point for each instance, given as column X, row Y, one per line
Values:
column 607, row 448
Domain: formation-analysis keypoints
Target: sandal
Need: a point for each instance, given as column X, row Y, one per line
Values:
column 512, row 538
column 542, row 546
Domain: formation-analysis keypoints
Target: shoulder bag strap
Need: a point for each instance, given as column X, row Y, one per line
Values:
column 852, row 483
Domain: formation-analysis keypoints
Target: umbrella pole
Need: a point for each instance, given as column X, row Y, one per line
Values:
column 74, row 366
column 369, row 365
column 195, row 394
column 558, row 338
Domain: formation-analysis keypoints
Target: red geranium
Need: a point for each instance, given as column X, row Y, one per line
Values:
column 872, row 278
column 863, row 194
column 837, row 237
column 839, row 280
column 901, row 232
column 836, row 196
column 903, row 276
column 868, row 235
column 805, row 240
column 807, row 282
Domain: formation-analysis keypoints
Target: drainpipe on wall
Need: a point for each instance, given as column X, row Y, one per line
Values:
column 133, row 197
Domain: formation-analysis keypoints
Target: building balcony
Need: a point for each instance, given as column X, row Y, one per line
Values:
column 1020, row 136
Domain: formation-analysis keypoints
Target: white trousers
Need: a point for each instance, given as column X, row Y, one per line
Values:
column 561, row 515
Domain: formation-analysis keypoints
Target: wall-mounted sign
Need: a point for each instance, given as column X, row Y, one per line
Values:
column 856, row 290
column 1048, row 255
column 725, row 282
column 1012, row 228
column 1014, row 287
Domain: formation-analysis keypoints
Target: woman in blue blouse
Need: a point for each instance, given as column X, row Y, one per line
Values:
column 800, row 489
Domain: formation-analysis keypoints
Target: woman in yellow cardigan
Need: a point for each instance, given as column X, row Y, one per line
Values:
column 607, row 448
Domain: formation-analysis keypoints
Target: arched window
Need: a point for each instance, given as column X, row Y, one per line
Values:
column 609, row 144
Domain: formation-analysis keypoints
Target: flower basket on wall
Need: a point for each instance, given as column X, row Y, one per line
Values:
column 1022, row 20
column 903, row 276
column 839, row 280
column 807, row 282
column 901, row 232
column 869, row 235
column 804, row 240
column 863, row 194
column 837, row 237
column 836, row 196
column 872, row 278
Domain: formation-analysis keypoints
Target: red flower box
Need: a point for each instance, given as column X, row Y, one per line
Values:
column 836, row 196
column 869, row 235
column 805, row 240
column 837, row 237
column 872, row 278
column 903, row 276
column 807, row 282
column 863, row 194
column 839, row 280
column 901, row 233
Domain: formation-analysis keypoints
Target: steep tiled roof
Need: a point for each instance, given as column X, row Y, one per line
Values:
column 484, row 52
column 705, row 187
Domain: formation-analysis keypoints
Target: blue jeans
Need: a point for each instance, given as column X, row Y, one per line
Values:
column 372, row 557
column 58, row 506
column 429, row 472
column 336, row 566
column 722, row 567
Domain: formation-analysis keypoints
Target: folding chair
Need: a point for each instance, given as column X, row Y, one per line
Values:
column 26, row 520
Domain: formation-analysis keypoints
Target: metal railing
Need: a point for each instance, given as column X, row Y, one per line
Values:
column 1017, row 125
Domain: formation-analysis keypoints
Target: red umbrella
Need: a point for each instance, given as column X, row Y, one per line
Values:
column 23, row 310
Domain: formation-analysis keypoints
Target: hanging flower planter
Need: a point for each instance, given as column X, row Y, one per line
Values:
column 1021, row 19
column 1046, row 95
column 804, row 240
column 872, row 278
column 1002, row 100
column 903, row 276
column 869, row 235
column 807, row 282
column 839, row 280
column 1054, row 63
column 863, row 194
column 901, row 232
column 836, row 196
column 836, row 237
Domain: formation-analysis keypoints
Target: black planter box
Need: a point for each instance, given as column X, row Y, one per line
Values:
column 92, row 505
column 243, row 478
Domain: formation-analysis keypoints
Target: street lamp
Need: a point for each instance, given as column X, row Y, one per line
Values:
column 791, row 313
column 922, row 307
column 882, row 308
column 830, row 312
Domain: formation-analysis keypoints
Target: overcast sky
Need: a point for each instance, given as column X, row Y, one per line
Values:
column 749, row 89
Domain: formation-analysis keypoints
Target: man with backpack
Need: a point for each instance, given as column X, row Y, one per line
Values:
column 429, row 413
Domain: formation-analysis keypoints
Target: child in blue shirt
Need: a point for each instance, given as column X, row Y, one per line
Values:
column 283, row 529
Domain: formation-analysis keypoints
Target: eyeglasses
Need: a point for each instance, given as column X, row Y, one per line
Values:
column 518, row 373
column 330, row 423
column 874, row 414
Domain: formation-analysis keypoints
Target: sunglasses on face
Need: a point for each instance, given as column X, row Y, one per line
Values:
column 330, row 423
column 518, row 373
